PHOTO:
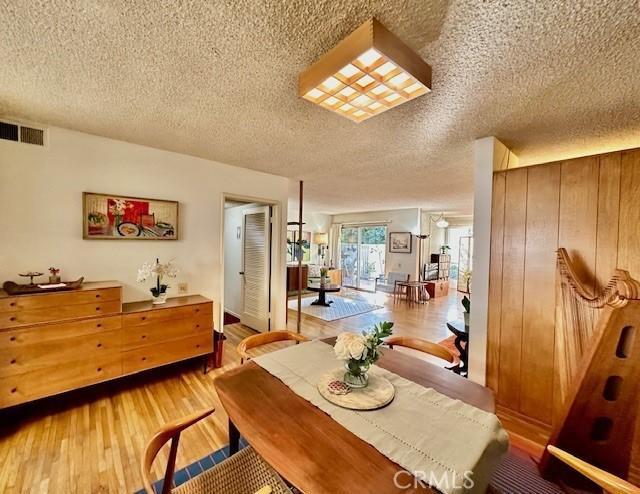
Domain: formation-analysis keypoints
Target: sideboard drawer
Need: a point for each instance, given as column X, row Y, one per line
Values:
column 45, row 382
column 12, row 338
column 23, row 358
column 164, row 353
column 170, row 313
column 57, row 313
column 159, row 332
column 56, row 299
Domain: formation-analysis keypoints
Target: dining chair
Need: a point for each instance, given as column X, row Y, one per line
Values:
column 609, row 483
column 261, row 339
column 244, row 472
column 422, row 346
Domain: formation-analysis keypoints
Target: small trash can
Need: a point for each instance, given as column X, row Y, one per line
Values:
column 218, row 348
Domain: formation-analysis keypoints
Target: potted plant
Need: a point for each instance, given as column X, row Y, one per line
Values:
column 54, row 275
column 466, row 303
column 444, row 249
column 161, row 272
column 324, row 273
column 359, row 351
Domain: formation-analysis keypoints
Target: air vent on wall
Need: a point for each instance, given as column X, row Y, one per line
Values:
column 21, row 133
column 8, row 131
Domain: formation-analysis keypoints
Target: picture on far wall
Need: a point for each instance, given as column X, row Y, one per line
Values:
column 400, row 242
column 112, row 217
column 296, row 249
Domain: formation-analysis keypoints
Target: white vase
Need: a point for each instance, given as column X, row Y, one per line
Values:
column 161, row 299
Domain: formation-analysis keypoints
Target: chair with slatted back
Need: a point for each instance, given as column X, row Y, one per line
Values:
column 422, row 346
column 243, row 473
column 262, row 339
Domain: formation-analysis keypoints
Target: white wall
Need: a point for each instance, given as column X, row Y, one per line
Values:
column 41, row 203
column 401, row 220
column 490, row 154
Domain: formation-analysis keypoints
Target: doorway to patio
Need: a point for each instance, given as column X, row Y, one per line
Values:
column 363, row 252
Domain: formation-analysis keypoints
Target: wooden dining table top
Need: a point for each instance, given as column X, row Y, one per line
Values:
column 310, row 449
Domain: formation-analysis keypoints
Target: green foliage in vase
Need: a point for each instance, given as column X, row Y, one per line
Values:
column 362, row 349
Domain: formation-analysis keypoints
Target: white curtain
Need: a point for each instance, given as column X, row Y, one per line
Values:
column 334, row 246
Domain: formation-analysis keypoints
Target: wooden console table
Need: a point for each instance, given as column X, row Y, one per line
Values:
column 55, row 342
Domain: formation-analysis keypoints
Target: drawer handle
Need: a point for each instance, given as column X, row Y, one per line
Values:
column 197, row 325
column 12, row 304
column 13, row 338
column 14, row 390
column 144, row 318
column 143, row 336
column 13, row 361
column 197, row 346
column 97, row 308
column 197, row 310
column 12, row 318
column 99, row 325
column 99, row 369
column 97, row 295
column 99, row 345
column 144, row 358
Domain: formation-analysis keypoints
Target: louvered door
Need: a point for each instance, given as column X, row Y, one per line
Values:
column 256, row 272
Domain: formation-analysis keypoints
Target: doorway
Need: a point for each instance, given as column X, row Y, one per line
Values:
column 460, row 241
column 363, row 255
column 248, row 248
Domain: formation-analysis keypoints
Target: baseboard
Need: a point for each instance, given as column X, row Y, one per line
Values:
column 526, row 431
column 230, row 317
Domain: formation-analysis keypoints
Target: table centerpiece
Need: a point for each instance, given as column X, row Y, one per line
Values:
column 359, row 351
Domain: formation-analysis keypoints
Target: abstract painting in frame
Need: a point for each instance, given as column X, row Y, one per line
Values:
column 400, row 242
column 113, row 217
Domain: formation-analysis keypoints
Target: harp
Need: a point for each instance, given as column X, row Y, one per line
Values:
column 598, row 351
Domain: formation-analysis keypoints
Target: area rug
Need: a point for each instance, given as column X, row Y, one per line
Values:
column 340, row 308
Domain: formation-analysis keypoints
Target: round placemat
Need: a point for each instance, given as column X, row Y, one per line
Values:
column 377, row 394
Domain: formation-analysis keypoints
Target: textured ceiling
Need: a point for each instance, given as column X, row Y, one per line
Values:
column 218, row 80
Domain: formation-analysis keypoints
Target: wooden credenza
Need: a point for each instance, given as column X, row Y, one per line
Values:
column 56, row 342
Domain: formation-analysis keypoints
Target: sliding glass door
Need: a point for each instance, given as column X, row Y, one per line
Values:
column 363, row 250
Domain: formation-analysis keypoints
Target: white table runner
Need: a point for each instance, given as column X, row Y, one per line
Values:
column 443, row 441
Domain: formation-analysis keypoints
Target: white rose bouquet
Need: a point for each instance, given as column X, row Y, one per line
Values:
column 359, row 351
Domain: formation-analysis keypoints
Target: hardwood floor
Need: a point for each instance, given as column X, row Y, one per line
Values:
column 91, row 440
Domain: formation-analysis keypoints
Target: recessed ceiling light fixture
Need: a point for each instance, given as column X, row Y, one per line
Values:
column 368, row 72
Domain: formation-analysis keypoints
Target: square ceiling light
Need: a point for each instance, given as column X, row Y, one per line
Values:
column 367, row 73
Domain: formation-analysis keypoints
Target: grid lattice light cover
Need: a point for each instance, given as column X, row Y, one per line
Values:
column 367, row 73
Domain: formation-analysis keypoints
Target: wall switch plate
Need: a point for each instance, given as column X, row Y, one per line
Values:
column 183, row 287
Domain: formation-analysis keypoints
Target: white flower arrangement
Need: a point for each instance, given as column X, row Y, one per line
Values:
column 362, row 348
column 161, row 271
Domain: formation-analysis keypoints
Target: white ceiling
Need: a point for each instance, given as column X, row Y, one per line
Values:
column 218, row 80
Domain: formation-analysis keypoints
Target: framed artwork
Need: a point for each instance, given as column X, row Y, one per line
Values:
column 400, row 242
column 112, row 217
column 295, row 248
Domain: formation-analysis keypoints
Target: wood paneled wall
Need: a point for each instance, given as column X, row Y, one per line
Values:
column 591, row 207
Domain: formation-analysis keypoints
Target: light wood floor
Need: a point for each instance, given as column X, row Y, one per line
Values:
column 91, row 440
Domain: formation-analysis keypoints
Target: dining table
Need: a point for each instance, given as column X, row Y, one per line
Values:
column 311, row 450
